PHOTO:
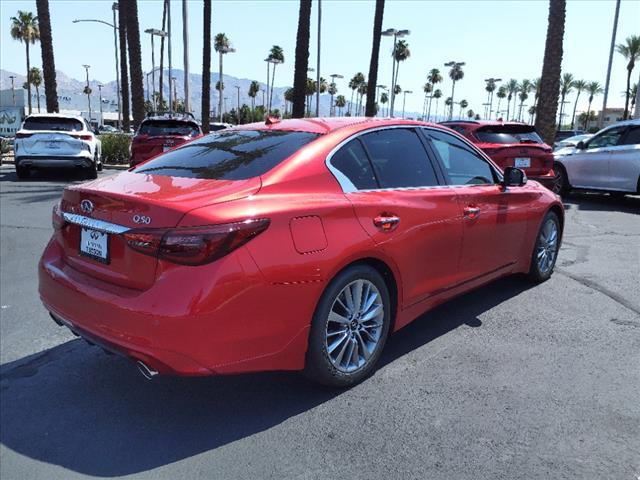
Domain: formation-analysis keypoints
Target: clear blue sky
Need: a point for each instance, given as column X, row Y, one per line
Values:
column 495, row 38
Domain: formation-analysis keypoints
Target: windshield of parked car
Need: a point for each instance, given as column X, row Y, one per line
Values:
column 155, row 128
column 507, row 134
column 53, row 123
column 229, row 155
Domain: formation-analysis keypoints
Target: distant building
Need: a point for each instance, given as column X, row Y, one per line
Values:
column 611, row 116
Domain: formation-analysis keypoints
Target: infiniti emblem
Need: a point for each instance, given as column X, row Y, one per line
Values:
column 86, row 206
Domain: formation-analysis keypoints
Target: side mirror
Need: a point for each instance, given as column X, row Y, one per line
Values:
column 514, row 177
column 581, row 145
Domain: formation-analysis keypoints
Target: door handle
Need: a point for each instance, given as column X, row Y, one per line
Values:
column 386, row 223
column 471, row 213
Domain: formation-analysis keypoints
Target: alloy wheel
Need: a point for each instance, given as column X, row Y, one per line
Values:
column 547, row 246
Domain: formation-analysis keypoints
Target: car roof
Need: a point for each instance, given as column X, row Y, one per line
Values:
column 624, row 123
column 474, row 124
column 326, row 125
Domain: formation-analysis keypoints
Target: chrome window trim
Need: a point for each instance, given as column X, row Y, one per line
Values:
column 348, row 186
column 95, row 224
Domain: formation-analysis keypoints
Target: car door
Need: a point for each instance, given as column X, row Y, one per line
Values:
column 589, row 167
column 624, row 161
column 494, row 218
column 400, row 202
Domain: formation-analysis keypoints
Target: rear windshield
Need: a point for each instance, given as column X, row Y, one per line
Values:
column 229, row 155
column 155, row 128
column 508, row 134
column 58, row 124
column 215, row 128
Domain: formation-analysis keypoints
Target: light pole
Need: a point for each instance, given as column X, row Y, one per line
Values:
column 392, row 32
column 490, row 99
column 318, row 60
column 147, row 77
column 86, row 68
column 114, row 8
column 223, row 51
column 404, row 99
column 333, row 81
column 607, row 81
column 160, row 33
column 175, row 92
column 453, row 64
column 100, row 96
column 13, row 89
column 185, row 44
column 238, row 110
column 171, row 98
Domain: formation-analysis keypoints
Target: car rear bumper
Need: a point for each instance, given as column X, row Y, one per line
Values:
column 54, row 161
column 216, row 319
column 545, row 180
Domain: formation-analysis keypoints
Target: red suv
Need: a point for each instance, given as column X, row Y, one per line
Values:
column 158, row 134
column 510, row 144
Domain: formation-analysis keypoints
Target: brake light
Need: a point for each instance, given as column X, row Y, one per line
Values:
column 57, row 220
column 195, row 245
column 83, row 137
column 23, row 135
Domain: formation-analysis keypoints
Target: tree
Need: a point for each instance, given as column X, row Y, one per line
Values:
column 532, row 112
column 48, row 61
column 470, row 114
column 427, row 88
column 277, row 55
column 221, row 45
column 254, row 88
column 35, row 78
column 634, row 95
column 490, row 88
column 593, row 89
column 501, row 94
column 341, row 101
column 567, row 82
column 384, row 98
column 370, row 109
column 25, row 28
column 512, row 89
column 124, row 68
column 288, row 98
column 206, row 65
column 551, row 69
column 579, row 85
column 362, row 91
column 463, row 104
column 309, row 91
column 455, row 74
column 135, row 62
column 630, row 50
column 535, row 87
column 434, row 77
column 302, row 60
column 585, row 118
column 523, row 93
column 437, row 95
column 401, row 53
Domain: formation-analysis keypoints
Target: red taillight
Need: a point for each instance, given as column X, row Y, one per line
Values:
column 195, row 245
column 83, row 137
column 57, row 220
column 23, row 135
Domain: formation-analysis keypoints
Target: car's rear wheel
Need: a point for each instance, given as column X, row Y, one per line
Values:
column 22, row 172
column 92, row 171
column 349, row 328
column 560, row 180
column 545, row 251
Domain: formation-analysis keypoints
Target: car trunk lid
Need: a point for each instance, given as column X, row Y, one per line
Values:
column 51, row 143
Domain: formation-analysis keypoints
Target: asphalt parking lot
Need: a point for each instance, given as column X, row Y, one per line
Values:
column 512, row 381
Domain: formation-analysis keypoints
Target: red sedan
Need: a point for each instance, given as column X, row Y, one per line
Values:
column 510, row 144
column 294, row 245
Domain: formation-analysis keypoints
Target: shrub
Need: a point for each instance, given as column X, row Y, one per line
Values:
column 6, row 145
column 115, row 148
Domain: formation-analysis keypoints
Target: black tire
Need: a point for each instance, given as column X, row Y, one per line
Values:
column 318, row 366
column 617, row 195
column 92, row 172
column 537, row 273
column 22, row 172
column 561, row 184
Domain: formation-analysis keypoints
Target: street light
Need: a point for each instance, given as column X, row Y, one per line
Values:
column 154, row 32
column 490, row 94
column 222, row 51
column 453, row 64
column 404, row 99
column 100, row 95
column 392, row 32
column 114, row 26
column 333, row 81
column 86, row 68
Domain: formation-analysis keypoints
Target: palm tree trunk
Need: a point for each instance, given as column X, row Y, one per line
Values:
column 206, row 65
column 435, row 116
column 273, row 78
column 28, row 77
column 453, row 89
column 221, row 89
column 429, row 108
column 586, row 120
column 508, row 107
column 575, row 105
column 48, row 62
column 370, row 109
column 135, row 62
column 302, row 59
column 561, row 111
column 498, row 107
column 551, row 69
column 38, row 97
column 124, row 69
column 627, row 93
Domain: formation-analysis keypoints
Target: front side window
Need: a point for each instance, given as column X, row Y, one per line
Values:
column 229, row 155
column 608, row 138
column 399, row 158
column 462, row 165
column 352, row 161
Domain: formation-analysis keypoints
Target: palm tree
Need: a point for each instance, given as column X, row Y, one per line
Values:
column 362, row 91
column 535, row 87
column 35, row 78
column 455, row 74
column 309, row 91
column 288, row 97
column 512, row 89
column 427, row 88
column 401, row 53
column 354, row 84
column 523, row 93
column 135, row 62
column 634, row 95
column 463, row 104
column 532, row 112
column 206, row 65
column 25, row 28
column 332, row 89
column 341, row 101
column 87, row 91
column 593, row 89
column 302, row 59
column 276, row 54
column 221, row 45
column 254, row 88
column 48, row 62
column 433, row 77
column 631, row 52
column 448, row 102
column 470, row 114
column 124, row 69
column 501, row 94
column 437, row 95
column 490, row 88
column 579, row 85
column 370, row 109
column 384, row 98
column 567, row 82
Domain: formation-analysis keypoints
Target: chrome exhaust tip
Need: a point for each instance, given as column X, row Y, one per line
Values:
column 145, row 370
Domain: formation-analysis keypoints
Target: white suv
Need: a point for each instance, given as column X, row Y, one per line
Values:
column 55, row 140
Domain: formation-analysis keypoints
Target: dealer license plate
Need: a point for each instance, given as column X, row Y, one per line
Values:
column 522, row 162
column 94, row 244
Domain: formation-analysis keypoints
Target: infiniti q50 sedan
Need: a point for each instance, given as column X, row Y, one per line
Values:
column 289, row 245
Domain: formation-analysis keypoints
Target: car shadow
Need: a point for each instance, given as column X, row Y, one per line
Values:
column 64, row 175
column 602, row 202
column 91, row 413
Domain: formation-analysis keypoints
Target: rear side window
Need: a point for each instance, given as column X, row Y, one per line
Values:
column 229, row 155
column 155, row 128
column 52, row 123
column 508, row 134
column 399, row 158
column 352, row 161
column 632, row 137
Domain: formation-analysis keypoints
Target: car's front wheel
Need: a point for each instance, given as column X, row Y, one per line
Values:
column 349, row 328
column 22, row 172
column 545, row 251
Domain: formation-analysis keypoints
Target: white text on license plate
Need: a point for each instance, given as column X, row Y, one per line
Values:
column 522, row 162
column 94, row 244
